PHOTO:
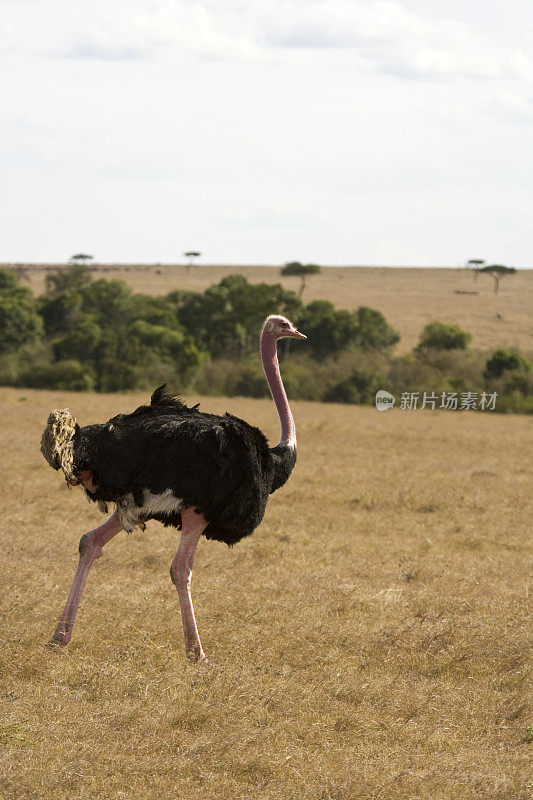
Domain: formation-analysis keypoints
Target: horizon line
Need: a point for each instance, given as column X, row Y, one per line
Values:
column 239, row 265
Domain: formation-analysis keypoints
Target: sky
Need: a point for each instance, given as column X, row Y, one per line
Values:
column 336, row 131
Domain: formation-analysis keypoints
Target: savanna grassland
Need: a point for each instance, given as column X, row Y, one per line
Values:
column 368, row 642
column 408, row 297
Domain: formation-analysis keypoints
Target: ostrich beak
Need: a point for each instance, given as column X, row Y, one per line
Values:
column 297, row 334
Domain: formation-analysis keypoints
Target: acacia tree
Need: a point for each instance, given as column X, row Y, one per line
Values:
column 497, row 272
column 80, row 258
column 302, row 270
column 191, row 255
column 475, row 265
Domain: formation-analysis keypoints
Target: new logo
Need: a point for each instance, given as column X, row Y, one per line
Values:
column 384, row 400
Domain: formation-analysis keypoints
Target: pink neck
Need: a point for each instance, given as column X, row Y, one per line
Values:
column 269, row 356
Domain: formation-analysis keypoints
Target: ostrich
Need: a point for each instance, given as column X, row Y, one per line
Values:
column 201, row 473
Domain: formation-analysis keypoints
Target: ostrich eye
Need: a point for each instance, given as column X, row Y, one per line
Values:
column 284, row 324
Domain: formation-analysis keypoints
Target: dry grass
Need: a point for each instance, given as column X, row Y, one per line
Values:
column 367, row 643
column 409, row 298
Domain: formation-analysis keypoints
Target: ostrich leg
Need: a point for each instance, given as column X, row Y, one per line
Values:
column 91, row 545
column 181, row 572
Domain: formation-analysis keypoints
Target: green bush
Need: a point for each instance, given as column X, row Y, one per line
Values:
column 68, row 374
column 61, row 312
column 329, row 330
column 248, row 380
column 120, row 376
column 19, row 320
column 81, row 343
column 504, row 360
column 231, row 378
column 373, row 330
column 410, row 374
column 360, row 387
column 307, row 379
column 515, row 402
column 443, row 336
column 462, row 369
column 67, row 280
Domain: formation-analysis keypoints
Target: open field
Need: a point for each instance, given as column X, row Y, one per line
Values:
column 368, row 642
column 409, row 298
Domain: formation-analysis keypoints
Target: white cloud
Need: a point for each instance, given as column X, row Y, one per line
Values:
column 392, row 39
column 372, row 35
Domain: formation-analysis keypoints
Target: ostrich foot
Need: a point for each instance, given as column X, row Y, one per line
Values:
column 61, row 636
column 195, row 653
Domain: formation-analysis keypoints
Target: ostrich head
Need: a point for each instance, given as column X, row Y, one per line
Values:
column 57, row 442
column 279, row 327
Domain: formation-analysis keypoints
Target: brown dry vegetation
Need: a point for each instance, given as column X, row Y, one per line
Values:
column 409, row 298
column 367, row 643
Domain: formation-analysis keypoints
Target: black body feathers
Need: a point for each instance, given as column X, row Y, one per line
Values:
column 220, row 464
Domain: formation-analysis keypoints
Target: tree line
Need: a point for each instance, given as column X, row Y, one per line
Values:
column 97, row 335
